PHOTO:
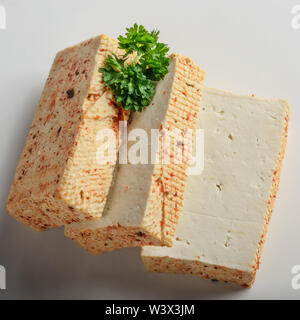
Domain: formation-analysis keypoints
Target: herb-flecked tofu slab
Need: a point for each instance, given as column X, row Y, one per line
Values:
column 58, row 180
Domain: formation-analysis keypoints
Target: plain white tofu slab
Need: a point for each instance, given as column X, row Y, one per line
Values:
column 224, row 210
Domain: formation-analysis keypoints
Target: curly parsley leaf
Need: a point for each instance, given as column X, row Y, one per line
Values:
column 138, row 39
column 133, row 84
column 130, row 86
column 155, row 62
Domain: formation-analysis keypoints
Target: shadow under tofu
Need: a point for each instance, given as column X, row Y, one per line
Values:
column 47, row 265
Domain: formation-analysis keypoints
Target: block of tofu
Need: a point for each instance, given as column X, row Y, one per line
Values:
column 227, row 208
column 146, row 199
column 58, row 180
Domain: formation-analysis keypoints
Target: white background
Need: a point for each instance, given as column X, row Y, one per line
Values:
column 244, row 46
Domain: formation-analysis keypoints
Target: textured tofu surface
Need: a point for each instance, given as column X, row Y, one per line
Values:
column 227, row 208
column 58, row 180
column 146, row 198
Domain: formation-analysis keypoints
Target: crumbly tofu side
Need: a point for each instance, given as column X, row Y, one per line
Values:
column 58, row 180
column 227, row 208
column 147, row 198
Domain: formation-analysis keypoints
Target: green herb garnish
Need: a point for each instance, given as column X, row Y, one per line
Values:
column 133, row 84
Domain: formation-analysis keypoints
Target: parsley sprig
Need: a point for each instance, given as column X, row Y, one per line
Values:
column 133, row 84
